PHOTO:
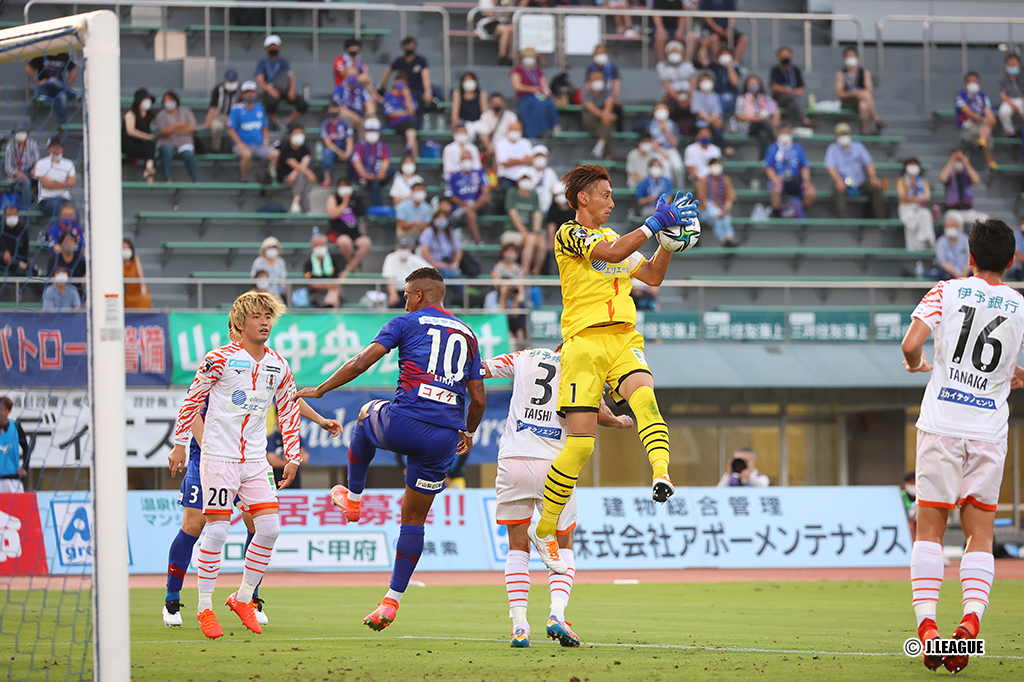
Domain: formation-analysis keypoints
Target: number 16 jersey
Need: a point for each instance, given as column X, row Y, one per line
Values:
column 978, row 330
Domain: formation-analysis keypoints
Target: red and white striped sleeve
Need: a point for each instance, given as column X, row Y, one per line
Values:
column 502, row 366
column 207, row 375
column 929, row 310
column 288, row 415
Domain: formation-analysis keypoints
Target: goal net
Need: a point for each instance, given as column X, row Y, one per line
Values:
column 63, row 542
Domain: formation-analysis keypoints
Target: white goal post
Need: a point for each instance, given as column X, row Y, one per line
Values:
column 98, row 33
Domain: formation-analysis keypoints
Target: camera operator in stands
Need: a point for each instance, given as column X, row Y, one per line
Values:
column 743, row 471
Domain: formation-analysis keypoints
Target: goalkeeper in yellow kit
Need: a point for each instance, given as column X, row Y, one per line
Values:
column 600, row 341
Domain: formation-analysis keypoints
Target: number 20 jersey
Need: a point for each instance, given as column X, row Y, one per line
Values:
column 978, row 330
column 533, row 428
column 437, row 355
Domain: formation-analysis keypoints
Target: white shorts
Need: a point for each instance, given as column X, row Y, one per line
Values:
column 252, row 482
column 11, row 485
column 953, row 471
column 519, row 489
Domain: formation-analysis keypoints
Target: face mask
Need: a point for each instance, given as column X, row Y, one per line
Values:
column 262, row 283
column 958, row 167
column 344, row 191
column 529, row 62
column 273, row 53
column 675, row 58
column 785, row 140
column 409, row 51
column 951, row 232
column 851, row 62
column 597, row 86
column 126, row 253
column 1013, row 70
column 715, row 170
column 21, row 137
column 408, row 168
column 706, row 86
column 372, row 137
column 403, row 254
column 515, row 135
column 911, row 490
column 61, row 278
column 973, row 88
column 913, row 171
column 249, row 99
column 354, row 54
column 466, row 165
column 725, row 59
column 12, row 221
column 844, row 140
column 785, row 61
column 68, row 247
column 646, row 147
column 601, row 59
column 753, row 88
column 419, row 195
column 704, row 141
column 57, row 156
column 145, row 104
column 497, row 109
column 509, row 257
column 440, row 223
column 540, row 162
column 320, row 251
column 655, row 171
column 469, row 86
column 230, row 87
column 525, row 184
column 271, row 253
column 661, row 114
column 170, row 105
column 462, row 138
column 298, row 139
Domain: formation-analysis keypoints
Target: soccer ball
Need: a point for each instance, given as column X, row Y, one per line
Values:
column 677, row 238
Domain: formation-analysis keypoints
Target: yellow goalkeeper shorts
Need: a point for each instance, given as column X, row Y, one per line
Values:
column 594, row 357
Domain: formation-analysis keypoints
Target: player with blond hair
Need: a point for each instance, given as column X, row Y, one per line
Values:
column 240, row 380
column 600, row 342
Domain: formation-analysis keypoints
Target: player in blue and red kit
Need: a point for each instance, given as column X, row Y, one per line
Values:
column 427, row 421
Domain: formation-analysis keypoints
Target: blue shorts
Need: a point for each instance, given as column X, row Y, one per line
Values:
column 429, row 449
column 191, row 493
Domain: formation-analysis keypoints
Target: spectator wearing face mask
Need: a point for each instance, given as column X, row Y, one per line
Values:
column 372, row 161
column 852, row 171
column 698, row 155
column 66, row 223
column 788, row 171
column 665, row 135
column 176, row 125
column 974, row 116
column 344, row 210
column 414, row 214
column 507, row 296
column 668, row 29
column 20, row 157
column 223, row 97
column 14, row 248
column 137, row 142
column 610, row 78
column 559, row 213
column 338, row 140
column 952, row 253
column 652, row 187
column 757, row 114
column 598, row 114
column 440, row 244
column 325, row 268
column 677, row 76
column 400, row 109
column 717, row 196
column 275, row 78
column 136, row 294
column 536, row 108
column 639, row 159
column 959, row 177
column 349, row 63
column 544, row 178
column 468, row 189
column 855, row 89
column 68, row 257
column 293, row 169
column 523, row 229
column 398, row 265
column 468, row 104
column 451, row 156
column 1011, row 92
column 401, row 186
column 495, row 123
column 914, row 208
column 416, row 70
column 262, row 282
column 726, row 73
column 787, row 84
column 248, row 127
column 718, row 28
column 271, row 262
column 58, row 296
column 513, row 155
column 706, row 106
column 56, row 176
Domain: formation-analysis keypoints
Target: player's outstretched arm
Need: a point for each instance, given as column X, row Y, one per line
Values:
column 605, row 417
column 679, row 211
column 332, row 425
column 914, row 358
column 355, row 366
column 475, row 414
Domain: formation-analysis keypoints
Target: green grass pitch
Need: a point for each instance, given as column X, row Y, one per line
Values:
column 724, row 631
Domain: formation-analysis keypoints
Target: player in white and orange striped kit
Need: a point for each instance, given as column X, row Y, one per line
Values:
column 240, row 379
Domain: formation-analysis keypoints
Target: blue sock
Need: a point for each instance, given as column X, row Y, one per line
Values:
column 249, row 535
column 410, row 546
column 177, row 563
column 360, row 454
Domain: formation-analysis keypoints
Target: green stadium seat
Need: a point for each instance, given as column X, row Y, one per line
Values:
column 293, row 30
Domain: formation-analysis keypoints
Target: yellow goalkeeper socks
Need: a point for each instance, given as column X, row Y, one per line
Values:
column 562, row 479
column 652, row 429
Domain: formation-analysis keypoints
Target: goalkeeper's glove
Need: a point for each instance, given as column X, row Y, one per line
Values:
column 682, row 209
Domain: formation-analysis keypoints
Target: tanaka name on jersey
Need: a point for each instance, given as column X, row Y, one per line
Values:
column 972, row 380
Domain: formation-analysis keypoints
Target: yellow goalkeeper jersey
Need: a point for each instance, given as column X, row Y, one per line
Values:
column 593, row 292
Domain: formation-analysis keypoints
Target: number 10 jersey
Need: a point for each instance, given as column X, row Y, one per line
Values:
column 978, row 330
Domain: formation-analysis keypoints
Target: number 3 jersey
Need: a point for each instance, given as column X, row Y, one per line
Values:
column 978, row 330
column 437, row 355
column 533, row 428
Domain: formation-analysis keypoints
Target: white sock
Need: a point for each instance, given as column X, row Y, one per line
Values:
column 397, row 596
column 354, row 497
column 561, row 585
column 257, row 556
column 208, row 561
column 517, row 584
column 926, row 578
column 598, row 148
column 977, row 569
